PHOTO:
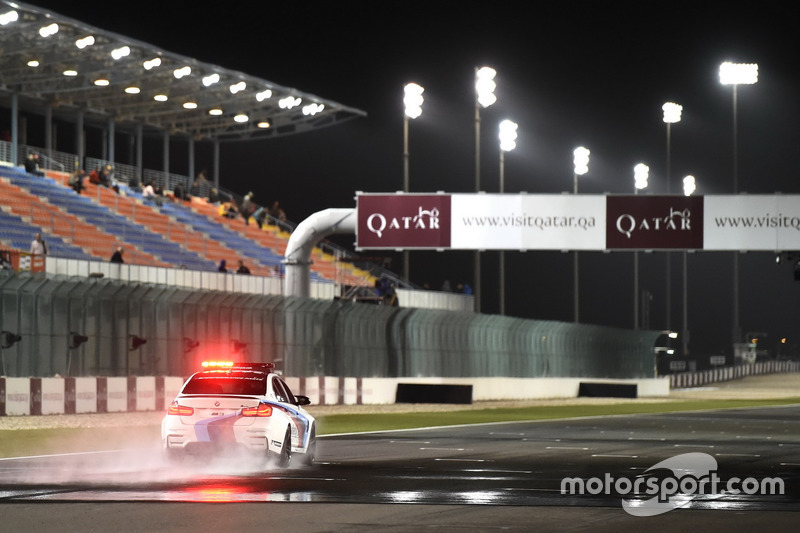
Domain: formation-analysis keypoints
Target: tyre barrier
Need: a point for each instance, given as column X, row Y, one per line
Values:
column 688, row 380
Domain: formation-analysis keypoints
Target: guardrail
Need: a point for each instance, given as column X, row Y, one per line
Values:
column 688, row 380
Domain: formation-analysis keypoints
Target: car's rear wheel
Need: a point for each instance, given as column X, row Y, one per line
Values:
column 285, row 458
column 311, row 452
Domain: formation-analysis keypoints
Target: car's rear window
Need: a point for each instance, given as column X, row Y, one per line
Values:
column 247, row 383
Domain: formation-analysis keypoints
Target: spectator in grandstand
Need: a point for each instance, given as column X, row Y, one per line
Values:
column 222, row 267
column 213, row 196
column 259, row 216
column 76, row 180
column 94, row 176
column 38, row 246
column 179, row 193
column 116, row 257
column 5, row 261
column 276, row 211
column 446, row 286
column 276, row 271
column 246, row 209
column 242, row 268
column 32, row 165
column 228, row 210
column 149, row 194
column 107, row 178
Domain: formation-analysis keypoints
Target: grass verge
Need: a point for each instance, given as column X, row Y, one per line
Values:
column 25, row 442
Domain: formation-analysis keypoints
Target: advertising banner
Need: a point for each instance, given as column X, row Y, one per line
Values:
column 578, row 222
column 654, row 222
column 752, row 222
column 528, row 222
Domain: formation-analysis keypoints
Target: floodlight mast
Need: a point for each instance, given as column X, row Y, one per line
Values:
column 508, row 141
column 640, row 176
column 580, row 162
column 412, row 100
column 736, row 74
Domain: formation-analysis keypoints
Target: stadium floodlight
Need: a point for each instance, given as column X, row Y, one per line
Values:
column 581, row 160
column 672, row 112
column 508, row 135
column 485, row 86
column 738, row 73
column 49, row 30
column 412, row 99
column 85, row 42
column 210, row 80
column 641, row 173
column 119, row 53
column 8, row 17
column 689, row 185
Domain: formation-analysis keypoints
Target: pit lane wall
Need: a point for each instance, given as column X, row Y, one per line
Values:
column 80, row 395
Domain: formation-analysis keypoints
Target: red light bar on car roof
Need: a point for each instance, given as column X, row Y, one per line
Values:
column 240, row 366
column 217, row 364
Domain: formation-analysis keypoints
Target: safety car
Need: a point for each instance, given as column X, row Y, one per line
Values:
column 239, row 406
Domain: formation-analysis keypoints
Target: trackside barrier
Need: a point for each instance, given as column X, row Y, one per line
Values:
column 687, row 380
column 52, row 396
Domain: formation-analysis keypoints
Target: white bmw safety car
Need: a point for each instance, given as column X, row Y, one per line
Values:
column 233, row 406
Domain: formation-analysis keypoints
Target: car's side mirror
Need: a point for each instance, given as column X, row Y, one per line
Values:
column 302, row 400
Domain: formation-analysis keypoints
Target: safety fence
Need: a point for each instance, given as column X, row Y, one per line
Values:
column 687, row 380
column 77, row 326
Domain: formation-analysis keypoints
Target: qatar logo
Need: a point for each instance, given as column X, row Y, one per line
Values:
column 377, row 223
column 627, row 224
column 403, row 221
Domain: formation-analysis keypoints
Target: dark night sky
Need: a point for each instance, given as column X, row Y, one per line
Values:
column 569, row 73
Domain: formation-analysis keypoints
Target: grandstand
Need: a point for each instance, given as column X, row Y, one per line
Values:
column 177, row 234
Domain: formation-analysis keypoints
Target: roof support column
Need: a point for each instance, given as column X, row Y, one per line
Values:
column 139, row 144
column 191, row 163
column 14, row 129
column 80, row 139
column 215, row 163
column 165, row 163
column 111, row 134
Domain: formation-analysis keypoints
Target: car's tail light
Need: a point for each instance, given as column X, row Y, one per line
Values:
column 180, row 410
column 261, row 410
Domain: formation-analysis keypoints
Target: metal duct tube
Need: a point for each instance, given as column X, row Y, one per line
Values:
column 302, row 241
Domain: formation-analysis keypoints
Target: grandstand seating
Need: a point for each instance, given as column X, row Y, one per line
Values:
column 190, row 234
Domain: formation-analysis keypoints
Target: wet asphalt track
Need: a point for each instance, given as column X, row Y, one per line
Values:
column 497, row 477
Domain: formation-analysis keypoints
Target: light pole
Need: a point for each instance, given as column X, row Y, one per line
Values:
column 484, row 97
column 508, row 141
column 736, row 74
column 672, row 115
column 640, row 175
column 581, row 167
column 689, row 187
column 412, row 100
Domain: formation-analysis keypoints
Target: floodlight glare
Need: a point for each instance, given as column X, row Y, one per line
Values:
column 738, row 73
column 508, row 135
column 485, row 86
column 672, row 112
column 8, row 17
column 413, row 100
column 689, row 185
column 581, row 160
column 640, row 175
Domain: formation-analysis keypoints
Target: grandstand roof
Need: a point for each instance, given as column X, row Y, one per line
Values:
column 70, row 78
